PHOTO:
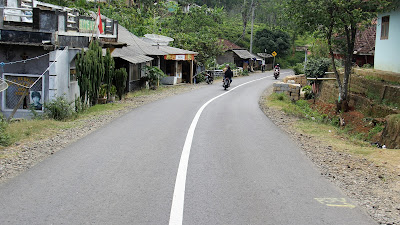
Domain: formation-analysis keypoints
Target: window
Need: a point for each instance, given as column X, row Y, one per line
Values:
column 385, row 28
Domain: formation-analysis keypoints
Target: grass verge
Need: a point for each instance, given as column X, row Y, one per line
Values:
column 327, row 131
column 25, row 131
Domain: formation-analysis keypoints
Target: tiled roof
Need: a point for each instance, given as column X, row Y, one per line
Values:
column 365, row 41
column 228, row 45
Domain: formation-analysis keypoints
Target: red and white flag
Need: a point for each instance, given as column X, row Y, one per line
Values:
column 99, row 24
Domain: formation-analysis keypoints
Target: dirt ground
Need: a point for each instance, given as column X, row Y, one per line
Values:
column 353, row 119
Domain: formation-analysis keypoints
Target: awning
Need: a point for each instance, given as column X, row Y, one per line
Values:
column 137, row 59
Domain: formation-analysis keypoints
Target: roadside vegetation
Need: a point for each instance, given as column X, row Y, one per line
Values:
column 327, row 129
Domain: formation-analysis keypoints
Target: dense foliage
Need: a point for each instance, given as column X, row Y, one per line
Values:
column 338, row 22
column 272, row 40
column 195, row 31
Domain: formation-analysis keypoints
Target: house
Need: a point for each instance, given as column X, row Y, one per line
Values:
column 364, row 46
column 177, row 64
column 227, row 47
column 239, row 56
column 243, row 58
column 135, row 56
column 152, row 50
column 387, row 46
column 37, row 54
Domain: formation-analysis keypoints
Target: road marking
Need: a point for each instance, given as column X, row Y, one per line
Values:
column 176, row 215
column 335, row 202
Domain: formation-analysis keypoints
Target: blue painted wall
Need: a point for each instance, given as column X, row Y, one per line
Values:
column 387, row 52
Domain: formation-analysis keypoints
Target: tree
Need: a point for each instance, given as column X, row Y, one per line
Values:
column 195, row 31
column 338, row 21
column 109, row 65
column 272, row 40
column 90, row 72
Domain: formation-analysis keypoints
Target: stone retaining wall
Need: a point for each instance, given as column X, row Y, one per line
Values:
column 370, row 95
column 298, row 79
column 290, row 89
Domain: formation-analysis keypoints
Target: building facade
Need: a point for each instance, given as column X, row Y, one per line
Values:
column 38, row 46
column 387, row 46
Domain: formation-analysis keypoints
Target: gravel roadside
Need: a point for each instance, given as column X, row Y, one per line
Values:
column 374, row 188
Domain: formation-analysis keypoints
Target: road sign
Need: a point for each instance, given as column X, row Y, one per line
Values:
column 274, row 54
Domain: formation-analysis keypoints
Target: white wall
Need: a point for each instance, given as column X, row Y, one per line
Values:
column 59, row 76
column 387, row 52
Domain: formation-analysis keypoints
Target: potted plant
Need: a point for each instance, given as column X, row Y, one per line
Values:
column 102, row 99
column 113, row 92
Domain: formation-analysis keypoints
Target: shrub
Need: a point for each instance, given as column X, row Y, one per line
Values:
column 232, row 65
column 120, row 81
column 80, row 106
column 308, row 92
column 244, row 73
column 375, row 130
column 5, row 139
column 367, row 66
column 317, row 67
column 298, row 68
column 200, row 77
column 58, row 109
column 280, row 97
column 154, row 74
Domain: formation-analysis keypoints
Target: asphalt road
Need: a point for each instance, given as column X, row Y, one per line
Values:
column 240, row 169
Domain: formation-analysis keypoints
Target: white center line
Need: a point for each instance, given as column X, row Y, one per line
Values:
column 178, row 199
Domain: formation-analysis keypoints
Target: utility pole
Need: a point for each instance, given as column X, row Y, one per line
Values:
column 252, row 24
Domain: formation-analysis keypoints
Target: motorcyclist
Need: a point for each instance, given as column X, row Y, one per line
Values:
column 278, row 67
column 228, row 74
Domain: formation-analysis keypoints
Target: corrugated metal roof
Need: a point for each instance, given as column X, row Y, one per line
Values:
column 243, row 54
column 176, row 51
column 137, row 47
column 136, row 44
column 137, row 58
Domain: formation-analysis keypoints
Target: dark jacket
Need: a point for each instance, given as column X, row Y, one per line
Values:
column 228, row 74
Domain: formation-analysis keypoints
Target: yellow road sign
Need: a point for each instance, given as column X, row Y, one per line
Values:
column 274, row 54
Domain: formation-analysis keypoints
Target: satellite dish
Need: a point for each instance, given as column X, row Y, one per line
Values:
column 265, row 55
column 3, row 85
column 157, row 39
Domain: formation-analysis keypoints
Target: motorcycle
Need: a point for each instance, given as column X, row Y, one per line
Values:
column 209, row 78
column 276, row 73
column 226, row 83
